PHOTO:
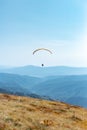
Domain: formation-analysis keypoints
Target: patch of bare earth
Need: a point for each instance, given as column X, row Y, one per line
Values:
column 23, row 113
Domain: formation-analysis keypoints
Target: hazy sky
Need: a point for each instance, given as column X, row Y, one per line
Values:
column 59, row 25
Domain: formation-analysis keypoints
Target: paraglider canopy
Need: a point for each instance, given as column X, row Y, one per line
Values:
column 41, row 49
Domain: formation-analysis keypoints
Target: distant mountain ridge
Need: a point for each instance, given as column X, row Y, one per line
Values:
column 37, row 71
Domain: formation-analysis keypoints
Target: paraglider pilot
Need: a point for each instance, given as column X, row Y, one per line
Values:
column 42, row 65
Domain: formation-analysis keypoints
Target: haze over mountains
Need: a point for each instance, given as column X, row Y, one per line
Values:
column 16, row 84
column 67, row 84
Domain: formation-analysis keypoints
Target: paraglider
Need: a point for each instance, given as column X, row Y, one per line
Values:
column 40, row 49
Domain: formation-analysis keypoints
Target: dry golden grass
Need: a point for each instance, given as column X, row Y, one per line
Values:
column 23, row 113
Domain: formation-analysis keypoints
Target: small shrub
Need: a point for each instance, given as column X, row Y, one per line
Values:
column 75, row 118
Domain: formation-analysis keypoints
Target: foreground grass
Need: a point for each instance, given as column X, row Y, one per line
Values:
column 22, row 113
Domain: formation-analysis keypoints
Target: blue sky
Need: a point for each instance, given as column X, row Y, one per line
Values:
column 60, row 26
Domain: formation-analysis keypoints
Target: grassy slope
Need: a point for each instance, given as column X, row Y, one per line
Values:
column 22, row 113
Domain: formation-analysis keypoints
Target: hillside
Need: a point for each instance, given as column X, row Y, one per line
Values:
column 22, row 113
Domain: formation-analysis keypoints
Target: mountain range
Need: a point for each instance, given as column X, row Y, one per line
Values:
column 70, row 89
column 54, row 83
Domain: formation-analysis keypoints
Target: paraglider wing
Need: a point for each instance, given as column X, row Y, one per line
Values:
column 41, row 49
